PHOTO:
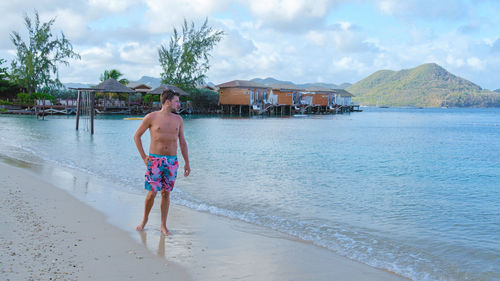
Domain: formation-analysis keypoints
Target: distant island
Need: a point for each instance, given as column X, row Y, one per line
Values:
column 427, row 85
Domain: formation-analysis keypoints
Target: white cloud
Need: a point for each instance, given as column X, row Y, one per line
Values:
column 316, row 37
column 457, row 62
column 291, row 15
column 475, row 63
column 164, row 14
column 112, row 5
column 233, row 44
column 98, row 55
column 388, row 7
column 132, row 59
column 348, row 63
column 71, row 22
column 137, row 53
column 344, row 37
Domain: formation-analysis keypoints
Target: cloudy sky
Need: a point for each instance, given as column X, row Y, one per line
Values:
column 332, row 41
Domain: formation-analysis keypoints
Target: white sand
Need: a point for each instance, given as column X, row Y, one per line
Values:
column 42, row 223
column 46, row 233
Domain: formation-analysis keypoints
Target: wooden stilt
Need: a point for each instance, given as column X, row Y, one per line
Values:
column 92, row 112
column 43, row 109
column 129, row 110
column 78, row 100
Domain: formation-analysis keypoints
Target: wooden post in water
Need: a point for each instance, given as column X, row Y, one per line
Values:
column 43, row 108
column 129, row 109
column 78, row 100
column 92, row 112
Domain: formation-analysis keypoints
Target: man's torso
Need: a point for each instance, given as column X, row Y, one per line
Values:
column 164, row 131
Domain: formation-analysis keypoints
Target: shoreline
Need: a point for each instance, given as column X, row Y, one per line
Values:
column 48, row 234
column 203, row 247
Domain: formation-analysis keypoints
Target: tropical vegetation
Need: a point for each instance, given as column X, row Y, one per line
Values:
column 36, row 64
column 7, row 88
column 186, row 59
column 115, row 74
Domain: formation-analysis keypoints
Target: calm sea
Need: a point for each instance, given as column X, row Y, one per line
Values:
column 414, row 191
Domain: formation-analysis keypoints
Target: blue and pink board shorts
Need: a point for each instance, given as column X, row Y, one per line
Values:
column 161, row 172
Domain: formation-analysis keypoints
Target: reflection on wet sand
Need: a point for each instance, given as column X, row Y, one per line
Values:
column 161, row 243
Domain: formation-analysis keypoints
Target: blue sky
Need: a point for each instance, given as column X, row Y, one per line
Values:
column 332, row 41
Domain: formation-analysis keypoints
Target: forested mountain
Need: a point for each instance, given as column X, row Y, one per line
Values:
column 427, row 85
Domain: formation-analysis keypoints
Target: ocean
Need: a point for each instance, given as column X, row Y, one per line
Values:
column 413, row 191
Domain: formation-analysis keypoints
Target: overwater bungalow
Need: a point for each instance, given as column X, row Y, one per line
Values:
column 343, row 100
column 343, row 97
column 240, row 96
column 288, row 98
column 318, row 100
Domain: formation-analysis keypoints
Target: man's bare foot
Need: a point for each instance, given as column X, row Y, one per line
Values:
column 141, row 226
column 165, row 231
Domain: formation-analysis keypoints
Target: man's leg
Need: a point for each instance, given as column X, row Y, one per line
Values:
column 148, row 204
column 165, row 204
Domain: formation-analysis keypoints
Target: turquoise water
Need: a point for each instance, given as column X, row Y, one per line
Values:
column 414, row 191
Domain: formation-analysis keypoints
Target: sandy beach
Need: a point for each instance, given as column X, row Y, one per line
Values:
column 48, row 233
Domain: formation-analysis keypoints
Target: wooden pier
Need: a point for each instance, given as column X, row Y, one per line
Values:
column 281, row 110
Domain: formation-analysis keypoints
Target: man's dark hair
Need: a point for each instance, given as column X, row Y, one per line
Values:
column 168, row 95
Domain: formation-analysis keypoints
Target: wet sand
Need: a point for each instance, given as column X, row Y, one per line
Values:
column 47, row 232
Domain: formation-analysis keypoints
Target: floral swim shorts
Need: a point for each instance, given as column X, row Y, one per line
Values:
column 161, row 173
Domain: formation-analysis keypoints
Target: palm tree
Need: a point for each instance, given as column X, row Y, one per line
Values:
column 115, row 74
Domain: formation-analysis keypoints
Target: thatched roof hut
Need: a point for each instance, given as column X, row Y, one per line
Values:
column 112, row 86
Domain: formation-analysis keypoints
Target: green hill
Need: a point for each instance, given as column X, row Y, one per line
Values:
column 427, row 85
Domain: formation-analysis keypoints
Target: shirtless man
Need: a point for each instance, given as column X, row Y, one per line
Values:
column 165, row 128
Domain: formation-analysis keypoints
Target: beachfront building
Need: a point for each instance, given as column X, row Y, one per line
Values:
column 108, row 100
column 318, row 100
column 344, row 101
column 139, row 87
column 240, row 96
column 287, row 98
column 343, row 97
column 141, row 90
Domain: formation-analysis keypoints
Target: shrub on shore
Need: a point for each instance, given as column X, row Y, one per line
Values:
column 24, row 98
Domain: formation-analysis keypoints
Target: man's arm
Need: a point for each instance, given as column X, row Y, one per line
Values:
column 146, row 123
column 184, row 149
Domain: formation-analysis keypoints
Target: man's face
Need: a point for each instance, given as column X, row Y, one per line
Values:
column 174, row 104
